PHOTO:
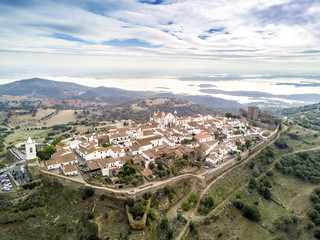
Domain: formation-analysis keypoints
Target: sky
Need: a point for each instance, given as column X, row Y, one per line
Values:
column 159, row 39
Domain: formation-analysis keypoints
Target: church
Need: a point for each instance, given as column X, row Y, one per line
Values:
column 165, row 120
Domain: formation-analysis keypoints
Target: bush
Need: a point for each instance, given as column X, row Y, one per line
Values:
column 281, row 144
column 185, row 205
column 152, row 215
column 170, row 233
column 164, row 224
column 310, row 225
column 251, row 212
column 91, row 215
column 270, row 173
column 238, row 203
column 313, row 214
column 317, row 233
column 89, row 191
column 193, row 197
column 317, row 190
column 192, row 226
column 314, row 198
column 252, row 164
column 167, row 189
column 138, row 209
column 106, row 215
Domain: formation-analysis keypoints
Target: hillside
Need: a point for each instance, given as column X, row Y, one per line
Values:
column 307, row 116
column 42, row 88
column 141, row 110
column 71, row 95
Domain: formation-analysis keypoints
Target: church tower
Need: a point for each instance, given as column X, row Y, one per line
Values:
column 31, row 152
column 32, row 164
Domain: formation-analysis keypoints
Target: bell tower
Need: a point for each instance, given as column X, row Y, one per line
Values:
column 31, row 152
column 32, row 164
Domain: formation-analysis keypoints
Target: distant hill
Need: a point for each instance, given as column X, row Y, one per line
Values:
column 307, row 116
column 140, row 110
column 42, row 88
column 57, row 91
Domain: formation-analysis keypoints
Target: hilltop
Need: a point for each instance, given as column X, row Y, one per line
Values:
column 64, row 94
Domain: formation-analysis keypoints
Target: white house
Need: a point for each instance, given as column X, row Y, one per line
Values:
column 109, row 166
column 69, row 170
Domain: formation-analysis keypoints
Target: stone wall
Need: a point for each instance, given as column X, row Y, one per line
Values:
column 116, row 194
column 137, row 224
column 11, row 156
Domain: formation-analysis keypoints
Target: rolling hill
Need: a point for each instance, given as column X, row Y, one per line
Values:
column 54, row 90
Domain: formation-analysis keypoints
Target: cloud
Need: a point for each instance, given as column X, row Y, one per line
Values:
column 203, row 34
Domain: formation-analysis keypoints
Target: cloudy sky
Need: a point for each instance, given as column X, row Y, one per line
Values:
column 152, row 38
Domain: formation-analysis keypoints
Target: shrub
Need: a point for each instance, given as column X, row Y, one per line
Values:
column 89, row 191
column 313, row 214
column 152, row 215
column 238, row 203
column 251, row 212
column 192, row 226
column 310, row 225
column 138, row 209
column 167, row 189
column 185, row 205
column 314, row 198
column 317, row 233
column 252, row 164
column 281, row 144
column 270, row 173
column 91, row 215
column 164, row 224
column 106, row 215
column 193, row 197
column 170, row 233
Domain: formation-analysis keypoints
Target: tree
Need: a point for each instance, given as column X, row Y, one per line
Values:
column 138, row 209
column 310, row 225
column 317, row 233
column 229, row 115
column 252, row 164
column 314, row 198
column 46, row 153
column 270, row 173
column 151, row 165
column 164, row 224
column 313, row 214
column 248, row 143
column 251, row 212
column 167, row 189
column 185, row 205
column 89, row 191
column 193, row 197
column 238, row 203
column 91, row 215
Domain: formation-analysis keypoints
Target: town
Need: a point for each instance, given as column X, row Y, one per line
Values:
column 166, row 146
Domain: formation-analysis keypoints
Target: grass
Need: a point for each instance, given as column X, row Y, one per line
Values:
column 288, row 191
column 227, row 185
column 292, row 192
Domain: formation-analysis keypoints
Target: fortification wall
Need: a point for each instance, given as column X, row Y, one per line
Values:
column 11, row 156
column 116, row 194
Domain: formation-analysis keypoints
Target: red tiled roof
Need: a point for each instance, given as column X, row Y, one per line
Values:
column 202, row 135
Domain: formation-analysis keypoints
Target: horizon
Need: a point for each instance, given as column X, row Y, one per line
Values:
column 171, row 45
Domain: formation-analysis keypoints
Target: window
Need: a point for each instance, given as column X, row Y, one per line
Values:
column 31, row 150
